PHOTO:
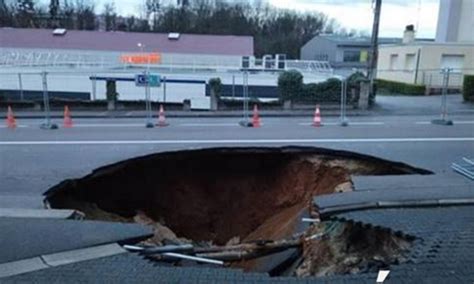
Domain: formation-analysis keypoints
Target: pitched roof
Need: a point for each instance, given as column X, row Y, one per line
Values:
column 127, row 41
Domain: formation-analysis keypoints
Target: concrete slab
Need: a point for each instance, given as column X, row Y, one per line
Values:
column 402, row 197
column 40, row 213
column 396, row 182
column 21, row 266
column 73, row 256
column 21, row 201
column 23, row 238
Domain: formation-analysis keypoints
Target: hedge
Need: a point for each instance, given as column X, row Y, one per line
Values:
column 400, row 88
column 290, row 84
column 216, row 85
column 327, row 91
column 468, row 88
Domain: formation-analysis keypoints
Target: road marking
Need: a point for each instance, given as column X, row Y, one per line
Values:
column 18, row 126
column 208, row 124
column 110, row 125
column 244, row 141
column 455, row 122
column 382, row 275
column 350, row 123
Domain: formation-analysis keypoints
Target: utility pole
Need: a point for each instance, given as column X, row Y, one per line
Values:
column 374, row 46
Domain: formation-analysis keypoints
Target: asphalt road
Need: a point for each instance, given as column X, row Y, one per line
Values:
column 32, row 160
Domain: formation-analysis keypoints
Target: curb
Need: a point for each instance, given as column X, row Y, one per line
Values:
column 41, row 213
column 57, row 259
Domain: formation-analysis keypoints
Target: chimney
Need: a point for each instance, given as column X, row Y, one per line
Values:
column 409, row 34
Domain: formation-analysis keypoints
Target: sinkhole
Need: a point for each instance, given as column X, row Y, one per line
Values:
column 223, row 196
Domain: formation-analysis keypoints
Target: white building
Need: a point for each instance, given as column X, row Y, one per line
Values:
column 421, row 62
column 455, row 21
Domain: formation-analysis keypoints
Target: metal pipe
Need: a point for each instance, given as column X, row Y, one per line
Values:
column 417, row 65
column 462, row 171
column 445, row 93
column 233, row 86
column 47, row 113
column 20, row 85
column 94, row 88
column 469, row 161
column 149, row 123
column 343, row 102
column 164, row 89
column 133, row 248
column 311, row 220
column 195, row 258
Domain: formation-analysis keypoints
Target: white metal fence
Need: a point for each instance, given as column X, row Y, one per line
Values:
column 23, row 57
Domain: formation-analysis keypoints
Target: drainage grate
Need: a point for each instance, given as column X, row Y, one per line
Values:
column 465, row 168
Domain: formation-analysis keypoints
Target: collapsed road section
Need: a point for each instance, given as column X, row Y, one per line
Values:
column 232, row 197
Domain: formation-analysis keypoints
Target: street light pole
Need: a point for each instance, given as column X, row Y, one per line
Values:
column 371, row 71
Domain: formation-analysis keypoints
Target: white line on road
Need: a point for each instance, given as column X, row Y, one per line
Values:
column 111, row 125
column 208, row 124
column 455, row 122
column 18, row 126
column 350, row 123
column 244, row 141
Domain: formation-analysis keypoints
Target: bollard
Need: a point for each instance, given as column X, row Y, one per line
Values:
column 47, row 112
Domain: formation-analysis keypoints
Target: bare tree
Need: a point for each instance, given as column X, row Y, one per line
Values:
column 85, row 15
column 25, row 10
column 110, row 16
column 6, row 14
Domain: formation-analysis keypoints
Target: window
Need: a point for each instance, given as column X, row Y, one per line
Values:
column 351, row 56
column 456, row 62
column 410, row 62
column 321, row 57
column 393, row 61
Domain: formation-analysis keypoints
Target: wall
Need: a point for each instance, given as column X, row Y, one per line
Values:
column 466, row 25
column 318, row 45
column 396, row 73
column 430, row 63
column 455, row 21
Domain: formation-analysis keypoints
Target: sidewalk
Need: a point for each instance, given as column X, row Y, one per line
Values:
column 197, row 114
column 385, row 105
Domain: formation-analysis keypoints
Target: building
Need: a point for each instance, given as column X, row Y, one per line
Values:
column 455, row 21
column 100, row 46
column 422, row 62
column 341, row 51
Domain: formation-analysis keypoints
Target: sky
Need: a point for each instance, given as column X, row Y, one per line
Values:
column 350, row 14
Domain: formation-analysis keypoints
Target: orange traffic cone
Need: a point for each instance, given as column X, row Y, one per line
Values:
column 255, row 118
column 161, row 118
column 67, row 118
column 11, row 121
column 317, row 117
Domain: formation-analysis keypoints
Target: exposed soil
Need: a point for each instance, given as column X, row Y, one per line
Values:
column 218, row 195
column 352, row 248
